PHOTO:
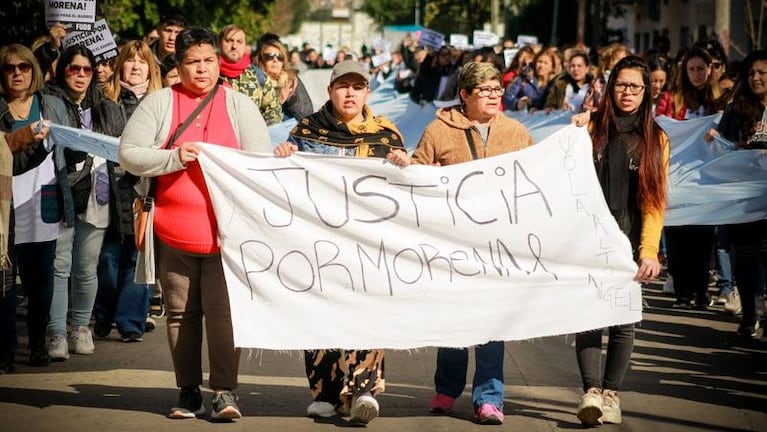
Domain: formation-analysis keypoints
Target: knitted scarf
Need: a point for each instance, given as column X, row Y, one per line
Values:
column 233, row 70
column 139, row 89
column 374, row 136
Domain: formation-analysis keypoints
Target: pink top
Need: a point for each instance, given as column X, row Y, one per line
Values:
column 184, row 217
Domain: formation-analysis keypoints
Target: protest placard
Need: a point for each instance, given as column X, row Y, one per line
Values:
column 431, row 39
column 100, row 41
column 77, row 15
column 482, row 38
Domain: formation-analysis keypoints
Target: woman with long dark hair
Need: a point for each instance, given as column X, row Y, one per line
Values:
column 78, row 246
column 694, row 95
column 744, row 122
column 631, row 155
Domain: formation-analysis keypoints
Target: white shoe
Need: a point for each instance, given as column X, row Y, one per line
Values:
column 668, row 287
column 611, row 408
column 81, row 340
column 590, row 408
column 58, row 348
column 321, row 409
column 364, row 408
column 732, row 305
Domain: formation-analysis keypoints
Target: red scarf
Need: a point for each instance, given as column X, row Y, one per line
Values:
column 233, row 70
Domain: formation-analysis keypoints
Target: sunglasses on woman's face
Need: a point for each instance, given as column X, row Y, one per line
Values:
column 272, row 56
column 74, row 69
column 22, row 67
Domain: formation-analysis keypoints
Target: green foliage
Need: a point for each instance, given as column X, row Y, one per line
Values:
column 129, row 19
column 23, row 20
column 390, row 12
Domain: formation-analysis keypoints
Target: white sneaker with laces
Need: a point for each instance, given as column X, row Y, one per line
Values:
column 321, row 409
column 732, row 305
column 590, row 408
column 611, row 408
column 81, row 341
column 364, row 408
column 58, row 348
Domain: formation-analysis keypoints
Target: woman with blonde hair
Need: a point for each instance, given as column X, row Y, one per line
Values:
column 272, row 58
column 119, row 299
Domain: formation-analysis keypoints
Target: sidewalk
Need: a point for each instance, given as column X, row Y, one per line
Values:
column 689, row 372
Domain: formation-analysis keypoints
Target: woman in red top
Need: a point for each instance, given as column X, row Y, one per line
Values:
column 186, row 243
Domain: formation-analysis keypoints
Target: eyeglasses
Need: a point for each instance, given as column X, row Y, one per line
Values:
column 717, row 65
column 630, row 88
column 22, row 67
column 74, row 69
column 272, row 56
column 488, row 91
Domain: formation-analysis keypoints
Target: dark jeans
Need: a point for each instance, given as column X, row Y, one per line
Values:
column 487, row 386
column 588, row 350
column 749, row 245
column 119, row 299
column 9, row 341
column 35, row 264
column 689, row 258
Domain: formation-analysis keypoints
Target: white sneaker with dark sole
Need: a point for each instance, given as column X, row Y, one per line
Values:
column 320, row 409
column 364, row 408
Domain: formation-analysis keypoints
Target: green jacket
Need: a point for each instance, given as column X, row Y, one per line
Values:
column 254, row 83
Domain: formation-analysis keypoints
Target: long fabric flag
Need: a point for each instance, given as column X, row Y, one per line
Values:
column 331, row 252
column 712, row 183
column 85, row 140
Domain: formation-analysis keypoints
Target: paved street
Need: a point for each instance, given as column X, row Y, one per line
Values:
column 689, row 373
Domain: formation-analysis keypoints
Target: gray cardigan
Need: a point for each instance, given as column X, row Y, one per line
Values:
column 141, row 151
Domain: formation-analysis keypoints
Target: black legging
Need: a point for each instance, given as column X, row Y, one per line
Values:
column 588, row 350
column 689, row 256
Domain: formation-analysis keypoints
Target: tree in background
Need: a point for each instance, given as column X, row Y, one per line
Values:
column 130, row 19
column 390, row 12
column 292, row 14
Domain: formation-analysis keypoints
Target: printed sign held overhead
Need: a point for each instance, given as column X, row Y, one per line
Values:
column 100, row 41
column 79, row 15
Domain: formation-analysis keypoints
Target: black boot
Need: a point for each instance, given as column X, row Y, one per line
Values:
column 38, row 352
column 7, row 363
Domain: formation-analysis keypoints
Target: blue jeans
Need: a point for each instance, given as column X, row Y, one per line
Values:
column 77, row 253
column 487, row 387
column 35, row 264
column 119, row 299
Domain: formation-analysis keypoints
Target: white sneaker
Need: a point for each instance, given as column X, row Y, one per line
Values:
column 321, row 409
column 668, row 287
column 760, row 307
column 732, row 305
column 611, row 408
column 58, row 348
column 364, row 408
column 81, row 340
column 590, row 408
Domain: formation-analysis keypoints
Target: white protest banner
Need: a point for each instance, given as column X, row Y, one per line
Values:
column 459, row 41
column 431, row 39
column 378, row 60
column 100, row 41
column 484, row 38
column 78, row 15
column 330, row 252
column 508, row 55
column 523, row 40
column 84, row 140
